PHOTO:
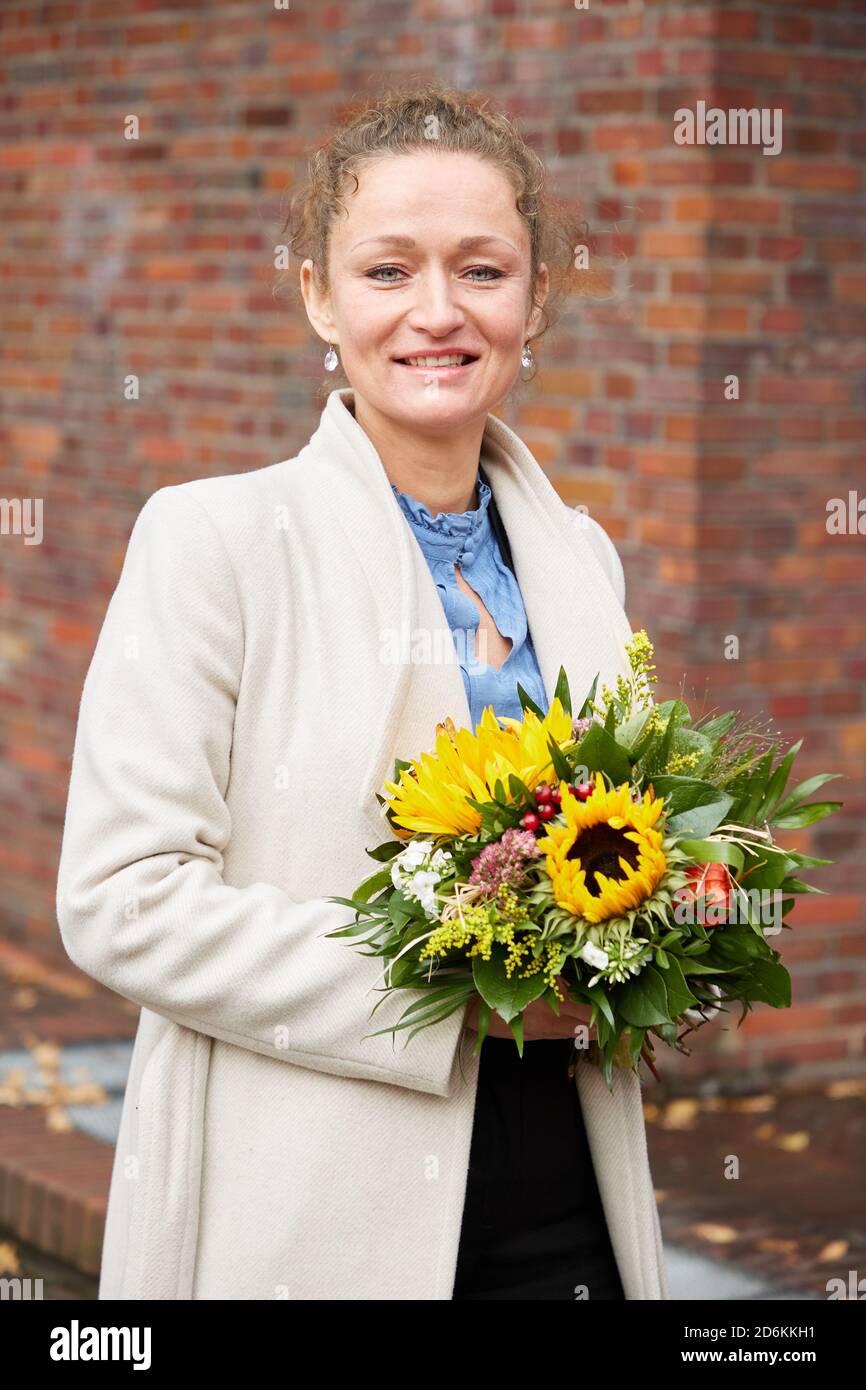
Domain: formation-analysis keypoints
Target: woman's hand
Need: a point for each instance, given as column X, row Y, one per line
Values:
column 539, row 1020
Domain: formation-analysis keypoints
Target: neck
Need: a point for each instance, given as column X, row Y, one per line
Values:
column 438, row 469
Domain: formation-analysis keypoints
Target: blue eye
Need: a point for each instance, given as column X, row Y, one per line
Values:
column 375, row 272
column 492, row 269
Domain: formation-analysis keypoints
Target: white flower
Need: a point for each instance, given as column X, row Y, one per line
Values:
column 594, row 955
column 417, row 869
column 617, row 964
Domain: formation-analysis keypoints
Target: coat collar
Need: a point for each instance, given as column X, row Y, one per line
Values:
column 574, row 617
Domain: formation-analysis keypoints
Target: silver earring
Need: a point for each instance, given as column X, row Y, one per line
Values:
column 526, row 356
column 332, row 361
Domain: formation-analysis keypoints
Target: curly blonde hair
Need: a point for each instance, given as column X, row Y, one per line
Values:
column 399, row 120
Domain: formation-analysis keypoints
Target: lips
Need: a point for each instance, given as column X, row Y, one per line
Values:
column 455, row 352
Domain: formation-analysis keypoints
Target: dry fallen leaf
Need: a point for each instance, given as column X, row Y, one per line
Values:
column 752, row 1105
column 680, row 1114
column 793, row 1143
column 715, row 1233
column 765, row 1131
column 834, row 1250
column 24, row 997
column 9, row 1263
column 853, row 1086
column 54, row 1094
column 57, row 1120
column 783, row 1247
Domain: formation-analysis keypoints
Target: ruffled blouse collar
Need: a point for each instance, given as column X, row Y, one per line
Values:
column 450, row 534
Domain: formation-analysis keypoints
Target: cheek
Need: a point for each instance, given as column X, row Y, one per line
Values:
column 504, row 324
column 364, row 317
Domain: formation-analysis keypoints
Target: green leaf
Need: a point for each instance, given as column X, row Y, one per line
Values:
column 586, row 707
column 635, row 1043
column 679, row 996
column 797, row 885
column 697, row 745
column 806, row 861
column 712, row 852
column 629, row 731
column 715, row 729
column 519, row 790
column 387, row 850
column 516, row 1026
column 693, row 807
column 736, row 944
column 768, row 874
column 508, row 997
column 776, row 784
column 527, row 702
column 805, row 789
column 380, row 879
column 600, row 752
column 562, row 691
column 806, row 815
column 561, row 765
column 694, row 966
column 400, row 910
column 600, row 999
column 747, row 808
column 642, row 1000
column 769, row 983
column 677, row 711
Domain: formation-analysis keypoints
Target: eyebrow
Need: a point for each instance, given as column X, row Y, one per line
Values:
column 466, row 243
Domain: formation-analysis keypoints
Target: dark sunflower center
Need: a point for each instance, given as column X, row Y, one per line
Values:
column 599, row 849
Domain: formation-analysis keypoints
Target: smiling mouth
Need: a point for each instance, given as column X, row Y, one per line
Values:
column 432, row 362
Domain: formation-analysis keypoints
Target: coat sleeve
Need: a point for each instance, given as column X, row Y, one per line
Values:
column 141, row 901
column 605, row 550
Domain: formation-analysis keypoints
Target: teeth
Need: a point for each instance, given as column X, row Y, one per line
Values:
column 455, row 359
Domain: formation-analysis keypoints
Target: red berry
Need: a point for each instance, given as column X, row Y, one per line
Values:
column 584, row 790
column 555, row 795
column 547, row 811
column 530, row 821
column 543, row 792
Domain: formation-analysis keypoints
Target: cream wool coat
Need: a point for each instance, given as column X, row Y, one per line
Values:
column 242, row 706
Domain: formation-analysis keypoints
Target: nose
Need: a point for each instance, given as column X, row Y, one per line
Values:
column 436, row 308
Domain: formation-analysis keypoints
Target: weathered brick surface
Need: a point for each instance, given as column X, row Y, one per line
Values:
column 154, row 257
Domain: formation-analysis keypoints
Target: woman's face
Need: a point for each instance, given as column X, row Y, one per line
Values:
column 402, row 284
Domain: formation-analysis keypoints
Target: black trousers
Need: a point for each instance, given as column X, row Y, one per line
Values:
column 533, row 1222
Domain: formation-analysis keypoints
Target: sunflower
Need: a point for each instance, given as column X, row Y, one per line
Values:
column 431, row 794
column 608, row 856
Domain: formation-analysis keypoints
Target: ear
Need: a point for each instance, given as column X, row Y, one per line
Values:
column 542, row 290
column 318, row 305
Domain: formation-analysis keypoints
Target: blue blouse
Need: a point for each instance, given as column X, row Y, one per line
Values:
column 467, row 539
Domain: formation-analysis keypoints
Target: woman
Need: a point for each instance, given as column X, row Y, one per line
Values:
column 275, row 639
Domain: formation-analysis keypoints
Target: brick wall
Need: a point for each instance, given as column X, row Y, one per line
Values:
column 154, row 257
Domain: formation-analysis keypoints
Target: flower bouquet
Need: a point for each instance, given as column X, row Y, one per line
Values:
column 625, row 854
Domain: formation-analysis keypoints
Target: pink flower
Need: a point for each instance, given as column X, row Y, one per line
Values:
column 504, row 863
